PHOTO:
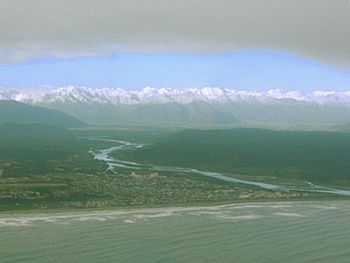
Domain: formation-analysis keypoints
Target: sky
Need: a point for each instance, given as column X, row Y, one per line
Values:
column 241, row 44
column 242, row 70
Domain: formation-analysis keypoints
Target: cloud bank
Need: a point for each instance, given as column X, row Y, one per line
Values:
column 317, row 29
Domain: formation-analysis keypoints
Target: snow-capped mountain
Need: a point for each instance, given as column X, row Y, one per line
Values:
column 210, row 105
column 71, row 94
column 8, row 94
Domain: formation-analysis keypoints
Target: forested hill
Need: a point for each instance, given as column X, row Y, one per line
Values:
column 15, row 112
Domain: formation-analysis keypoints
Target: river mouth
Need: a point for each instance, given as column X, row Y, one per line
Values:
column 114, row 164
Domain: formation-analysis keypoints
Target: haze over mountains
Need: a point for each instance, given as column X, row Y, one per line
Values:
column 210, row 105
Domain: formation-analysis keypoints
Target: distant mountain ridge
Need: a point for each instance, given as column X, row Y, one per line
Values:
column 209, row 106
column 343, row 127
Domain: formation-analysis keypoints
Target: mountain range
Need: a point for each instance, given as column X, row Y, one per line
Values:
column 71, row 94
column 209, row 105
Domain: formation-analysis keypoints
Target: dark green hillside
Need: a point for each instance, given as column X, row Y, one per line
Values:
column 314, row 156
column 15, row 112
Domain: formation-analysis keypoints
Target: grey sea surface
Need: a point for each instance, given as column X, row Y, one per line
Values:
column 252, row 232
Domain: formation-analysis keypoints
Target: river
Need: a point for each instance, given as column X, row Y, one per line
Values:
column 118, row 145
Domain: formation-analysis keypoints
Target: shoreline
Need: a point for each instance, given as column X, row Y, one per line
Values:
column 180, row 205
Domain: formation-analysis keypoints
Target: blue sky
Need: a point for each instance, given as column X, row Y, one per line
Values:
column 243, row 70
column 238, row 44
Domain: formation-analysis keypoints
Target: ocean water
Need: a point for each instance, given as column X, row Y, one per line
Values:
column 254, row 232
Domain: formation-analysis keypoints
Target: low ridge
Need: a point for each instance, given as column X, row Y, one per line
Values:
column 16, row 112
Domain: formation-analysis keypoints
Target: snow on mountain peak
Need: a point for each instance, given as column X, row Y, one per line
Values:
column 72, row 94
